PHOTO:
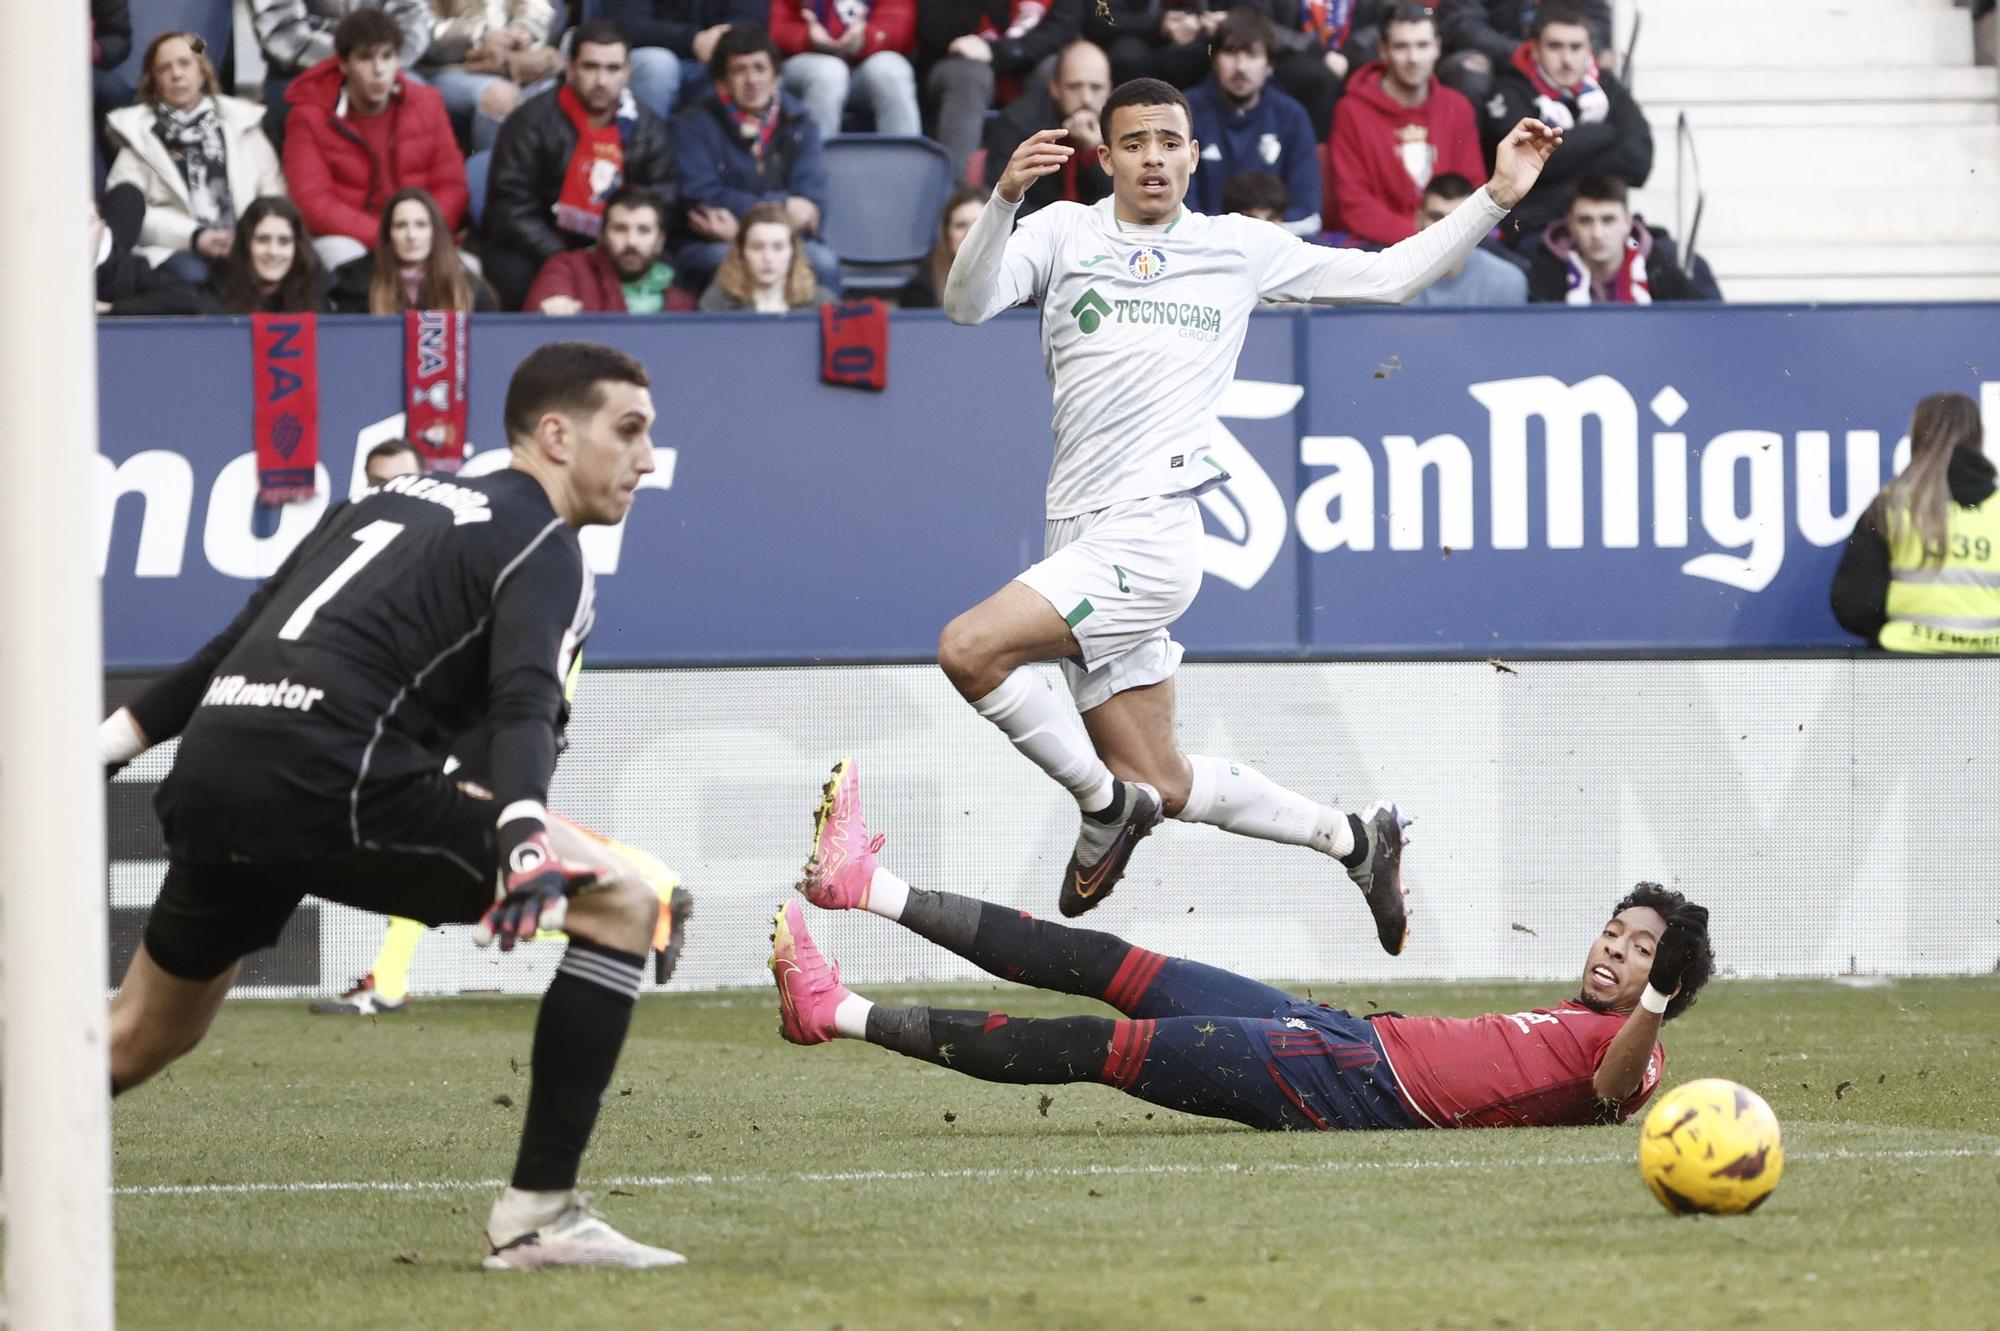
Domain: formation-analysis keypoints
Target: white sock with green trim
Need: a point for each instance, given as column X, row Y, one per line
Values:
column 1238, row 798
column 1029, row 713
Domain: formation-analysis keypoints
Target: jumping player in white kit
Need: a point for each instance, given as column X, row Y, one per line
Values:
column 1144, row 306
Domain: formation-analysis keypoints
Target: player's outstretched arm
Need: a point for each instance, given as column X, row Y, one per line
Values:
column 1622, row 1070
column 998, row 266
column 1392, row 276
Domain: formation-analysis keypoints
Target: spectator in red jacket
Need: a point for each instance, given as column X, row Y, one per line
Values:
column 622, row 273
column 358, row 131
column 1395, row 129
column 841, row 53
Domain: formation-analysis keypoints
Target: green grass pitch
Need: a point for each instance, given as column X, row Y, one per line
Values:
column 844, row 1187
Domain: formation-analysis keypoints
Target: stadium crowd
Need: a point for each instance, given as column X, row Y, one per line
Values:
column 649, row 156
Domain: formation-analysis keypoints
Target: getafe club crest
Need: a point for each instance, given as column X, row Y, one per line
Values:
column 1146, row 264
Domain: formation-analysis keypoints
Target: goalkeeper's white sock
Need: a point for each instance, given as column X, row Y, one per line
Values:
column 1042, row 727
column 518, row 1211
column 1238, row 798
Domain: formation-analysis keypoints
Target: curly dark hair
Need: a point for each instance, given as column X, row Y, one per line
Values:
column 1666, row 901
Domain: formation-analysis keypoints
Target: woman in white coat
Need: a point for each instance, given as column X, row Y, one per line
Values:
column 198, row 157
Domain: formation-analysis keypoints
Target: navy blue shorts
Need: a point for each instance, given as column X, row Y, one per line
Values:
column 1205, row 1041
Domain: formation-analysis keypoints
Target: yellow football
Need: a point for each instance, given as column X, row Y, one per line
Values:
column 1711, row 1146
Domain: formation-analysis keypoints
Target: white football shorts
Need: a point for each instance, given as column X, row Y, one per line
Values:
column 1118, row 577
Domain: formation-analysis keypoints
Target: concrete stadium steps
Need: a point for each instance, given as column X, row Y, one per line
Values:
column 1852, row 272
column 1875, row 289
column 1804, row 34
column 1860, row 218
column 1889, row 157
column 1871, row 84
column 1663, row 116
column 1849, row 149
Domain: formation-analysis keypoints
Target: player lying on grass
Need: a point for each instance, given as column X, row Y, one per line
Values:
column 1204, row 1041
column 313, row 734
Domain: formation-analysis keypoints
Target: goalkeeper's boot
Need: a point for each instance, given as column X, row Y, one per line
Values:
column 680, row 909
column 842, row 864
column 809, row 988
column 577, row 1236
column 1379, row 875
column 363, row 1000
column 1104, row 848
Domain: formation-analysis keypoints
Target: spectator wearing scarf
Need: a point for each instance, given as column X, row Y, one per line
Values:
column 1583, row 103
column 596, row 168
column 1554, row 77
column 745, row 144
column 1601, row 254
column 562, row 154
column 197, row 157
column 1480, row 36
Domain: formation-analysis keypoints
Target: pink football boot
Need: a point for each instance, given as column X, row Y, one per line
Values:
column 809, row 986
column 843, row 854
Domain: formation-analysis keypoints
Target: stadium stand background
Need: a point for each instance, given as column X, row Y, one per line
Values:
column 1846, row 152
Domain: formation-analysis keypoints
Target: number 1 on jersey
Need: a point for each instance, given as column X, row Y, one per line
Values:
column 373, row 540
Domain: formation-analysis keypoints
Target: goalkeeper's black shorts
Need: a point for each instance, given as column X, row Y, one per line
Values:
column 218, row 906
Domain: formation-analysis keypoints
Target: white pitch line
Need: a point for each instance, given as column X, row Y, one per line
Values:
column 950, row 1175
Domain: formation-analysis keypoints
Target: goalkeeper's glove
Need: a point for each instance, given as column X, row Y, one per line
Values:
column 1686, row 936
column 534, row 888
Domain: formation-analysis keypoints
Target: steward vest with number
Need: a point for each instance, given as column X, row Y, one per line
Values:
column 1955, row 606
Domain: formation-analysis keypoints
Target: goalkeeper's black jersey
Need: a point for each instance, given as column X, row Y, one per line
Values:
column 408, row 618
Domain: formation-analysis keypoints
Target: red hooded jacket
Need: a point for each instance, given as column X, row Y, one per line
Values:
column 1370, row 191
column 333, row 174
column 892, row 26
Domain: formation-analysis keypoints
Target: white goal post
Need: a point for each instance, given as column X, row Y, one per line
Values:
column 56, row 1154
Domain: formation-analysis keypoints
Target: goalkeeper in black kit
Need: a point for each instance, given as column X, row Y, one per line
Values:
column 313, row 734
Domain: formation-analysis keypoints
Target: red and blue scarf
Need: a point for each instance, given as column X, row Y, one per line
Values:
column 596, row 166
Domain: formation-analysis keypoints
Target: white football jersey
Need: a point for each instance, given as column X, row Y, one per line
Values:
column 1141, row 328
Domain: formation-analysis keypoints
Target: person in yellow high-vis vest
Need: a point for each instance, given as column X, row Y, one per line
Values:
column 386, row 986
column 1921, row 573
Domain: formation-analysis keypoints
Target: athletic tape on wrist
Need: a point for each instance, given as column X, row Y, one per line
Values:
column 523, row 809
column 1654, row 1001
column 119, row 739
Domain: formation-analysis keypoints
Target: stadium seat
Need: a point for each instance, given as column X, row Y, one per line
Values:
column 884, row 193
column 476, row 167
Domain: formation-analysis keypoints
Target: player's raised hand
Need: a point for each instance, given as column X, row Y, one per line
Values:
column 1518, row 162
column 1687, row 934
column 533, row 893
column 1039, row 155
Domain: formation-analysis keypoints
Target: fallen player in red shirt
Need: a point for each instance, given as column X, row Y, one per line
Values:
column 1202, row 1040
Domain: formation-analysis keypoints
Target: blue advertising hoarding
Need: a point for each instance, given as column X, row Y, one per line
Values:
column 1544, row 480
